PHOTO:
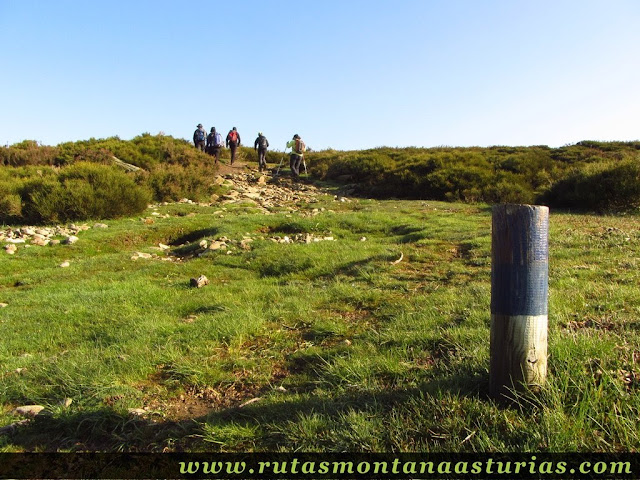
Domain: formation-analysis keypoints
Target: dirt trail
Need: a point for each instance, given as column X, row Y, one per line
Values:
column 225, row 168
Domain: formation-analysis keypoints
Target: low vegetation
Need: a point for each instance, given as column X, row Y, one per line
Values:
column 43, row 184
column 374, row 339
column 321, row 346
column 81, row 191
column 589, row 176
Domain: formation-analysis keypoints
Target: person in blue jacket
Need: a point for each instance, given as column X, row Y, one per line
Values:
column 200, row 137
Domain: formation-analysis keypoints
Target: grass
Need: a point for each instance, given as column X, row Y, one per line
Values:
column 345, row 349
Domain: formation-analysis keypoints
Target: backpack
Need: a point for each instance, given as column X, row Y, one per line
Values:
column 263, row 143
column 218, row 140
column 233, row 136
column 211, row 140
column 200, row 135
column 300, row 147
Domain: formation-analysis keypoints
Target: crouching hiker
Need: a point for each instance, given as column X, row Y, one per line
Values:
column 297, row 154
column 261, row 144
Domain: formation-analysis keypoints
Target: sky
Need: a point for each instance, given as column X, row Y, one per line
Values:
column 343, row 74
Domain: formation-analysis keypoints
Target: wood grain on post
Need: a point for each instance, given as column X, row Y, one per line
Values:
column 519, row 298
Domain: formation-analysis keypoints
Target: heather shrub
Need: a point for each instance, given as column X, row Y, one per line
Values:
column 602, row 187
column 42, row 200
column 509, row 189
column 82, row 191
column 492, row 175
column 588, row 175
column 27, row 152
column 10, row 201
column 97, row 191
column 10, row 207
column 145, row 151
column 170, row 182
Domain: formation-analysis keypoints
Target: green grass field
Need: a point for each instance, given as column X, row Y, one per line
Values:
column 322, row 346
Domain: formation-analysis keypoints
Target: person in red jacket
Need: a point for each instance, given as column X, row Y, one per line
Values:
column 233, row 142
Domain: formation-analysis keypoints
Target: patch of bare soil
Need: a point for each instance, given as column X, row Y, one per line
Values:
column 197, row 402
column 225, row 168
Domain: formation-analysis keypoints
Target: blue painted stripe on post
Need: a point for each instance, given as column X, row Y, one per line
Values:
column 520, row 260
column 531, row 245
column 520, row 289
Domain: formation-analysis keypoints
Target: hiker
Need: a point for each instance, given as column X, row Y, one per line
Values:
column 233, row 141
column 210, row 141
column 214, row 143
column 261, row 144
column 297, row 155
column 199, row 137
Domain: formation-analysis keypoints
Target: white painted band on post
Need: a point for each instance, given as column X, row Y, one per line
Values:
column 518, row 352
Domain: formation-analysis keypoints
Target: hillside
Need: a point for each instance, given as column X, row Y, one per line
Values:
column 588, row 176
column 327, row 323
column 109, row 178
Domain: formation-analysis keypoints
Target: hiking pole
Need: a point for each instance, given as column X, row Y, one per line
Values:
column 305, row 166
column 281, row 160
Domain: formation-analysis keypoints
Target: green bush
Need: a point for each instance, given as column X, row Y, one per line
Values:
column 588, row 175
column 173, row 168
column 173, row 182
column 509, row 189
column 601, row 187
column 10, row 207
column 10, row 204
column 42, row 200
column 82, row 191
column 27, row 153
column 492, row 175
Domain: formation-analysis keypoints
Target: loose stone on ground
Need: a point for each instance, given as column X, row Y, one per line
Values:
column 199, row 282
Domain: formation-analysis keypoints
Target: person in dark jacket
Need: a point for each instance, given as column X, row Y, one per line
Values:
column 214, row 144
column 200, row 137
column 211, row 139
column 233, row 142
column 261, row 144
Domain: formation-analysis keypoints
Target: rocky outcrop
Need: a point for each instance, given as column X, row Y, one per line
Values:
column 27, row 236
column 127, row 166
column 264, row 193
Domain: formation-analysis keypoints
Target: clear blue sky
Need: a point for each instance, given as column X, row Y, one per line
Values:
column 346, row 74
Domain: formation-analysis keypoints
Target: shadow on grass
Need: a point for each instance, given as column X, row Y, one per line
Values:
column 99, row 430
column 359, row 268
column 211, row 309
column 409, row 233
column 105, row 430
column 194, row 236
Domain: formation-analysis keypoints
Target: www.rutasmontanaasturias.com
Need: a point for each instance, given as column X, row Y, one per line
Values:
column 398, row 467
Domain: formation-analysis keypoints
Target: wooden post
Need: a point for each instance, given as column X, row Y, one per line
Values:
column 519, row 298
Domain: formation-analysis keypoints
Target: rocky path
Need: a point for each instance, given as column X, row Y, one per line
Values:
column 241, row 183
